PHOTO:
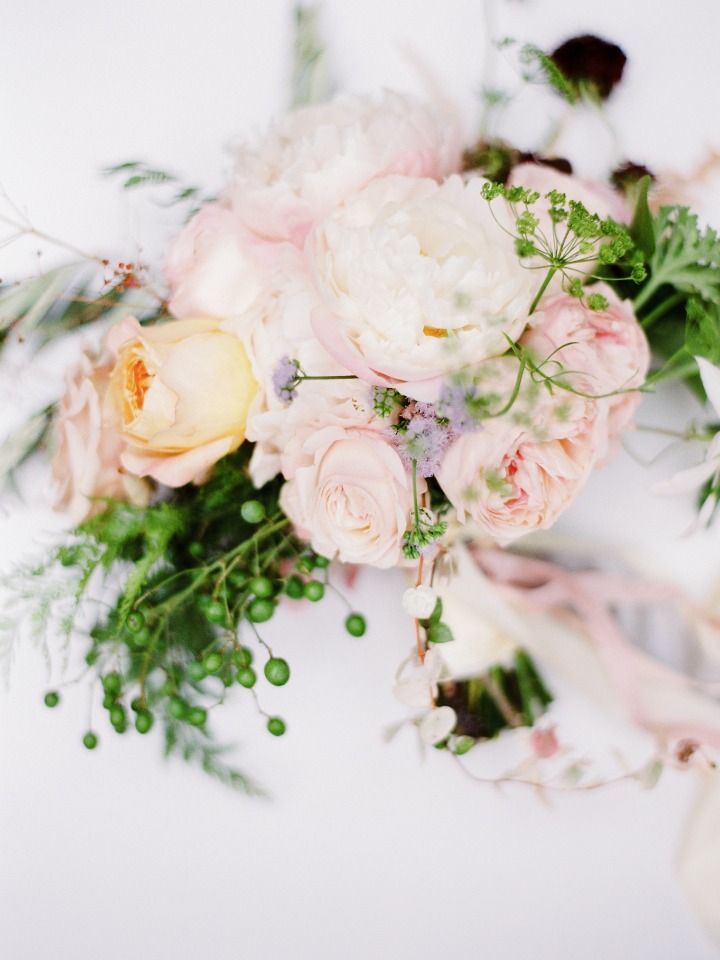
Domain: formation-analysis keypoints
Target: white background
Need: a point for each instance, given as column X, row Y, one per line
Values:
column 366, row 850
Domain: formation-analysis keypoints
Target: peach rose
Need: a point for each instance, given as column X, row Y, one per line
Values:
column 181, row 392
column 601, row 351
column 87, row 459
column 352, row 499
column 514, row 477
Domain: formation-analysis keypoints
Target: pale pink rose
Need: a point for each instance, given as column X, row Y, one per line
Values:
column 416, row 280
column 218, row 268
column 521, row 471
column 312, row 159
column 595, row 352
column 181, row 392
column 87, row 459
column 353, row 498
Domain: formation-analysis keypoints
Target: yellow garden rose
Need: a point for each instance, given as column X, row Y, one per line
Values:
column 181, row 392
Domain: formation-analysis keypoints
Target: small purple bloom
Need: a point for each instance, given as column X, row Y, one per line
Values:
column 457, row 403
column 284, row 379
column 424, row 439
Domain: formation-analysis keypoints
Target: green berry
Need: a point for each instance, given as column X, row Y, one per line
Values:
column 213, row 662
column 463, row 744
column 262, row 587
column 260, row 610
column 143, row 722
column 295, row 588
column 355, row 624
column 306, row 564
column 141, row 639
column 197, row 716
column 135, row 622
column 322, row 562
column 90, row 741
column 252, row 511
column 243, row 657
column 138, row 705
column 246, row 677
column 314, row 590
column 52, row 698
column 117, row 715
column 91, row 658
column 121, row 727
column 177, row 708
column 215, row 611
column 276, row 726
column 195, row 549
column 196, row 671
column 108, row 701
column 112, row 683
column 277, row 671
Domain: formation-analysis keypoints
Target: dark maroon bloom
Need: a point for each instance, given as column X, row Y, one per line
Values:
column 592, row 61
column 628, row 174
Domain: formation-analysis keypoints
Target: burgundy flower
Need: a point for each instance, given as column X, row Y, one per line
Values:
column 591, row 60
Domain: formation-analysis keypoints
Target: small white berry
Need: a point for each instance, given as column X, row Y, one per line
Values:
column 419, row 602
column 437, row 725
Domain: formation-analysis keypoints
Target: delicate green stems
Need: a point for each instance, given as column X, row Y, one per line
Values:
column 660, row 310
column 344, row 376
column 675, row 368
column 415, row 494
column 543, row 287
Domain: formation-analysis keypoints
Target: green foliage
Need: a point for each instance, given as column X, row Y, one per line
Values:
column 642, row 228
column 685, row 257
column 311, row 81
column 702, row 329
column 577, row 238
column 543, row 68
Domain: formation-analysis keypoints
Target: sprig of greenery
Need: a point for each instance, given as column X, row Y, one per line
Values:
column 425, row 530
column 578, row 238
column 200, row 572
column 311, row 78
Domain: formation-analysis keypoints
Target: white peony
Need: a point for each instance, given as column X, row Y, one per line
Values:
column 417, row 279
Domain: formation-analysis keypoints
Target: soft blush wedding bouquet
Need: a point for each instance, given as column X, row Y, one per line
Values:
column 383, row 346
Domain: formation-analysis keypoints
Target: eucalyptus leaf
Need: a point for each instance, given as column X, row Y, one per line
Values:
column 22, row 443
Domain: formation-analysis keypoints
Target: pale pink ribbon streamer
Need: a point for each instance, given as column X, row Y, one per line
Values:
column 587, row 598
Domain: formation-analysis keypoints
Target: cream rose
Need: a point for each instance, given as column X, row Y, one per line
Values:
column 181, row 392
column 417, row 279
column 352, row 499
column 518, row 474
column 87, row 463
column 314, row 158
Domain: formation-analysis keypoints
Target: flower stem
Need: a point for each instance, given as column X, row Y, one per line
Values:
column 543, row 287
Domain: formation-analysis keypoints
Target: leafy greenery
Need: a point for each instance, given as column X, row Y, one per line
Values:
column 199, row 572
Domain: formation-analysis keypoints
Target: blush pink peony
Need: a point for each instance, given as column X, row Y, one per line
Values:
column 313, row 159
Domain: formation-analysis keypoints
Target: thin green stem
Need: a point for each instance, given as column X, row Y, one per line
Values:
column 661, row 310
column 543, row 287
